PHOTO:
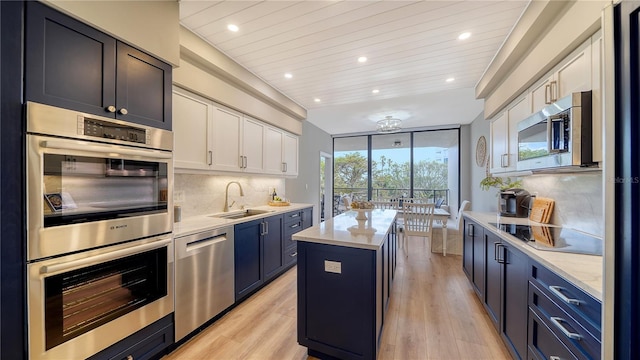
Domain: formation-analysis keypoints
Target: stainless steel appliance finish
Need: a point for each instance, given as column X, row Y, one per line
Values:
column 558, row 136
column 204, row 278
column 74, row 319
column 94, row 181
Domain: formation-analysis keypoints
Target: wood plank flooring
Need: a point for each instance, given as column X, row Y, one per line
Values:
column 433, row 314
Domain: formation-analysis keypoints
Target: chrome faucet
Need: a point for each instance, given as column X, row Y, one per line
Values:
column 226, row 195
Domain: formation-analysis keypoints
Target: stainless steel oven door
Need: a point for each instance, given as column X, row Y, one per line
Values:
column 80, row 304
column 84, row 194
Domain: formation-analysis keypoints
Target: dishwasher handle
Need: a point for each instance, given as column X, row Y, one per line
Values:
column 191, row 245
column 199, row 244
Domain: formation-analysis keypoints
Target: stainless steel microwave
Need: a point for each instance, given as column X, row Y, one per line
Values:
column 558, row 136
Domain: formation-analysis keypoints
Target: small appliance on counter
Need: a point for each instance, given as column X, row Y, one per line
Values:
column 514, row 203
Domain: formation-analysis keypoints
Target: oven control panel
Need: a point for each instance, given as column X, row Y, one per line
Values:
column 108, row 130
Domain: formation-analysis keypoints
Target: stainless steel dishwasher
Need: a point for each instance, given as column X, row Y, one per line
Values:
column 204, row 284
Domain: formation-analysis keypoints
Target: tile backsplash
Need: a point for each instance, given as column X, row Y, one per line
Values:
column 204, row 194
column 578, row 199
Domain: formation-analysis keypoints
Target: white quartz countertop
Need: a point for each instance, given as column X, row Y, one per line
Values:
column 345, row 230
column 584, row 271
column 196, row 224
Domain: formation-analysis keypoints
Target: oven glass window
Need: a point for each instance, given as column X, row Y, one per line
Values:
column 81, row 300
column 81, row 189
column 532, row 142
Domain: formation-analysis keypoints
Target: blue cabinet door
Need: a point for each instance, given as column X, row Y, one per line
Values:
column 493, row 291
column 515, row 299
column 272, row 243
column 143, row 88
column 71, row 65
column 68, row 63
column 477, row 237
column 467, row 249
column 248, row 258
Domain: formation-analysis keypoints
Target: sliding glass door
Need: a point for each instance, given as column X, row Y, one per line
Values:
column 435, row 166
column 350, row 171
column 421, row 164
column 390, row 166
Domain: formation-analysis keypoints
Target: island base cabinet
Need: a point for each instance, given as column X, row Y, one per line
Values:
column 339, row 301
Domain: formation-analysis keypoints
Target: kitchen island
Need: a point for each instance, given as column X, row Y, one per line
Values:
column 345, row 269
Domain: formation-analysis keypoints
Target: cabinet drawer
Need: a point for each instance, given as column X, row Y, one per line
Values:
column 148, row 343
column 576, row 302
column 543, row 343
column 292, row 227
column 580, row 341
column 293, row 216
column 290, row 255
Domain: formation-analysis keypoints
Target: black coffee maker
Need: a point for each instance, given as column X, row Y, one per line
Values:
column 514, row 203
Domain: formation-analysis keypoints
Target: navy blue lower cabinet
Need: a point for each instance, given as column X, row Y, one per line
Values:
column 248, row 257
column 341, row 297
column 148, row 343
column 514, row 300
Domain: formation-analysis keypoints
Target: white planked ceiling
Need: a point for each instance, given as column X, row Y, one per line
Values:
column 411, row 47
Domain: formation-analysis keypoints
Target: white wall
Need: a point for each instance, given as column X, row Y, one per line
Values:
column 152, row 26
column 480, row 200
column 306, row 187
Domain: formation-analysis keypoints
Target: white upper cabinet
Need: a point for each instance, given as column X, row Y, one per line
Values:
column 227, row 139
column 499, row 143
column 573, row 74
column 211, row 137
column 273, row 140
column 192, row 136
column 504, row 136
column 290, row 154
column 252, row 145
column 281, row 152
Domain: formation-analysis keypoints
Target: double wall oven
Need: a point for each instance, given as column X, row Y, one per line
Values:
column 99, row 215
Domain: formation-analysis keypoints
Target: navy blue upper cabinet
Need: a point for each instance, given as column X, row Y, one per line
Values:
column 72, row 65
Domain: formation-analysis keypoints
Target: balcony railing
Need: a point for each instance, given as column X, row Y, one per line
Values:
column 360, row 194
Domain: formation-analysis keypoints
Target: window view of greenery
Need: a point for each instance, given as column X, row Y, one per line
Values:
column 431, row 170
column 391, row 167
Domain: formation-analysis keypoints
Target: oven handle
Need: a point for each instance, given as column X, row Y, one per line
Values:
column 64, row 145
column 53, row 268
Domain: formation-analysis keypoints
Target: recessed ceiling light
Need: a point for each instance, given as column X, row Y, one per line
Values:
column 316, row 100
column 450, row 79
column 288, row 75
column 464, row 36
column 375, row 91
column 233, row 28
column 362, row 59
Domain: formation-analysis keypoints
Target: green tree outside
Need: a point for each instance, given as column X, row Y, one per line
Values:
column 350, row 172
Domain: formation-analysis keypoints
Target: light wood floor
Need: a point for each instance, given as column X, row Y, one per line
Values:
column 433, row 314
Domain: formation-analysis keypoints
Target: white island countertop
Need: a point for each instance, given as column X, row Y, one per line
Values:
column 345, row 230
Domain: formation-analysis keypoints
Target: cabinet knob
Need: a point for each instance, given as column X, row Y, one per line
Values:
column 111, row 108
column 129, row 357
column 123, row 111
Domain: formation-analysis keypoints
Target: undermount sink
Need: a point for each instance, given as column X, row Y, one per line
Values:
column 240, row 214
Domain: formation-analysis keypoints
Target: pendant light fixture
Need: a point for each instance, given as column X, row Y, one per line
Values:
column 389, row 125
